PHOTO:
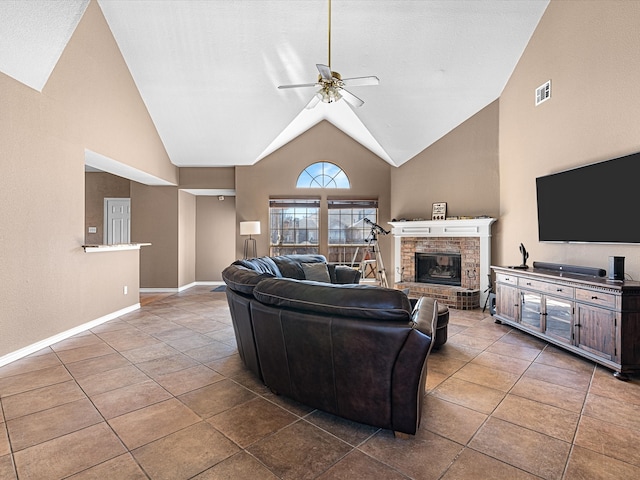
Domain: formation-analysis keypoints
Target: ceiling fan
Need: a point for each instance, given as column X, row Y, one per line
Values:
column 332, row 84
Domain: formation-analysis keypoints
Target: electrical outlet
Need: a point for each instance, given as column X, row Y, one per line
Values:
column 125, row 290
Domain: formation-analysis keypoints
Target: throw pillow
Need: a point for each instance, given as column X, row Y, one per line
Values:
column 332, row 272
column 316, row 272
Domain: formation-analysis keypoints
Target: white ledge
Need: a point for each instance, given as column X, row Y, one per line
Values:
column 472, row 227
column 113, row 248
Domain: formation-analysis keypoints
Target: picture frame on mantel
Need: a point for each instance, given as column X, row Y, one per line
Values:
column 439, row 211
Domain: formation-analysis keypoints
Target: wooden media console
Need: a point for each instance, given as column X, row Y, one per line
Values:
column 590, row 316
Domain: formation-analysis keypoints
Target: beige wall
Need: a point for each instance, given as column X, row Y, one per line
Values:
column 215, row 236
column 97, row 187
column 192, row 237
column 154, row 219
column 276, row 175
column 186, row 239
column 214, row 221
column 96, row 103
column 49, row 285
column 460, row 169
column 215, row 177
column 589, row 51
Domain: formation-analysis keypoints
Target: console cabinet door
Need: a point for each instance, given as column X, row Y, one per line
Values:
column 531, row 310
column 507, row 305
column 595, row 331
column 559, row 318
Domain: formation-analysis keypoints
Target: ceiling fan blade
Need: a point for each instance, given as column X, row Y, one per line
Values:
column 300, row 85
column 351, row 98
column 313, row 102
column 325, row 72
column 361, row 81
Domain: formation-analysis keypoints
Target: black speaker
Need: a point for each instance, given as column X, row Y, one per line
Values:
column 577, row 269
column 616, row 268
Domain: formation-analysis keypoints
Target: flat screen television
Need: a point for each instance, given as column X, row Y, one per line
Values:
column 597, row 203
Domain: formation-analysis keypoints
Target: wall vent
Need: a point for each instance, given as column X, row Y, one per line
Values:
column 543, row 92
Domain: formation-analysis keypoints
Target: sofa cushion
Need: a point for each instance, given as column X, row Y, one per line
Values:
column 260, row 265
column 317, row 272
column 290, row 265
column 333, row 276
column 359, row 301
column 243, row 279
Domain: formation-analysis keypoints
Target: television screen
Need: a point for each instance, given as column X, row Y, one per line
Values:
column 595, row 203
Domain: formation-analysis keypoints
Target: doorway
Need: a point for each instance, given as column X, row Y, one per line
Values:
column 117, row 220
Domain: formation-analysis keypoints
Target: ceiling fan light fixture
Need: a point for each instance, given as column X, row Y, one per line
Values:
column 329, row 94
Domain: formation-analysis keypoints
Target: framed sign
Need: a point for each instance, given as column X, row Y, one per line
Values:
column 439, row 211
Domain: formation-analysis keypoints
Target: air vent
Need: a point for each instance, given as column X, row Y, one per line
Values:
column 543, row 92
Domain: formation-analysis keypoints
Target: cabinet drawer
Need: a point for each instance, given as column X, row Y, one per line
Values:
column 529, row 283
column 560, row 290
column 503, row 278
column 607, row 300
column 546, row 287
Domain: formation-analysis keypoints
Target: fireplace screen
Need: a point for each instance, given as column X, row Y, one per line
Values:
column 441, row 268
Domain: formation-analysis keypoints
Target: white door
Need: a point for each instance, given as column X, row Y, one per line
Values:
column 117, row 220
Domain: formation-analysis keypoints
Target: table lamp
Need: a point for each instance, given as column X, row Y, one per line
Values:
column 250, row 228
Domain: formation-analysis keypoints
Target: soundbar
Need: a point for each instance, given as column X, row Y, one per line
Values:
column 559, row 267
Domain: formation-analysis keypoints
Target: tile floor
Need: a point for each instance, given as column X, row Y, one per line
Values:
column 161, row 393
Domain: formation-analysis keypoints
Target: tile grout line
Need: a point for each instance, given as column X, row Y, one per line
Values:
column 6, row 431
column 490, row 415
column 581, row 414
column 128, row 451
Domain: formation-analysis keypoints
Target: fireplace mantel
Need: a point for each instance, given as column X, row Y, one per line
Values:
column 475, row 227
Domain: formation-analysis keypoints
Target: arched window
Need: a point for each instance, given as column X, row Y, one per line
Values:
column 323, row 175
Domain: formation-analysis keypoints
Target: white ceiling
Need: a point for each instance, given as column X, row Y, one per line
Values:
column 33, row 35
column 208, row 71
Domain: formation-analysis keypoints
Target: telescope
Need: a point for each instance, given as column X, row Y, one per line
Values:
column 376, row 228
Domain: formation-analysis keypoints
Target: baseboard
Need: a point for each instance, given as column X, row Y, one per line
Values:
column 159, row 290
column 187, row 287
column 47, row 342
column 28, row 350
column 196, row 284
column 180, row 289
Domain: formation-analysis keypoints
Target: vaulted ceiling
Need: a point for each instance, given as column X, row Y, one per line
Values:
column 208, row 71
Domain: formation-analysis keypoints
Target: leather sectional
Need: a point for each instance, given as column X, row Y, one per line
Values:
column 356, row 351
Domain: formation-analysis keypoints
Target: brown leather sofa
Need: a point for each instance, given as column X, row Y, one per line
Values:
column 241, row 278
column 356, row 351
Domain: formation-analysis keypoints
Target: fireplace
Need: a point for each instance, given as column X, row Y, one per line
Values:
column 440, row 268
column 464, row 244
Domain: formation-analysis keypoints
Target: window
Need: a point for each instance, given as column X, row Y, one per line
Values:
column 349, row 232
column 294, row 226
column 294, row 223
column 323, row 175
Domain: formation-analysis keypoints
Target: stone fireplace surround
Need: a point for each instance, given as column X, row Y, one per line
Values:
column 470, row 238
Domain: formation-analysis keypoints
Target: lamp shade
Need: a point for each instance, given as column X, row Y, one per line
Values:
column 250, row 228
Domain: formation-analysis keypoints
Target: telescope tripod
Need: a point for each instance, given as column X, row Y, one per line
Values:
column 371, row 261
